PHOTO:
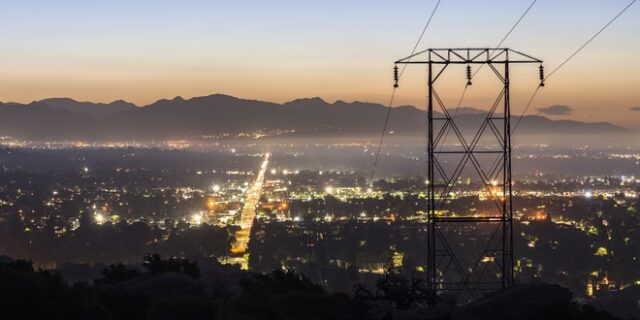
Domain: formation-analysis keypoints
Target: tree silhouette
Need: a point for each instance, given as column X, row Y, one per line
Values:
column 155, row 264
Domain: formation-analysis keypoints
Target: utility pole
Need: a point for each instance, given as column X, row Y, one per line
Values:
column 483, row 152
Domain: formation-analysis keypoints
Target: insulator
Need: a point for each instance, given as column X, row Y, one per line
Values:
column 395, row 77
column 468, row 75
column 541, row 75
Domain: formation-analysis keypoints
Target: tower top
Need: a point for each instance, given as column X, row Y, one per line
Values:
column 468, row 56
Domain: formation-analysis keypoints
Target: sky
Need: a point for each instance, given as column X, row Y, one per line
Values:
column 145, row 50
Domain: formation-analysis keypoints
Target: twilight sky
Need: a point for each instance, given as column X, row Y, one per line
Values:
column 145, row 50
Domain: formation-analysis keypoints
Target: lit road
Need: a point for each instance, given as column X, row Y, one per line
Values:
column 248, row 213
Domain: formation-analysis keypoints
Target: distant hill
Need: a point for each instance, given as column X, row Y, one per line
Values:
column 86, row 108
column 215, row 115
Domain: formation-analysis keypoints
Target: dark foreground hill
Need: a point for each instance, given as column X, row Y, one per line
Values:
column 175, row 289
column 222, row 115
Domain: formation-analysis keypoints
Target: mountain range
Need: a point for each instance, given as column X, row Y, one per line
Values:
column 222, row 115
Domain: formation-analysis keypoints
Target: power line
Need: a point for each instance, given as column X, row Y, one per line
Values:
column 571, row 56
column 464, row 92
column 515, row 25
column 393, row 94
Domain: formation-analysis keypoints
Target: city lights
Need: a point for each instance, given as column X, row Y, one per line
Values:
column 271, row 209
column 211, row 204
column 196, row 218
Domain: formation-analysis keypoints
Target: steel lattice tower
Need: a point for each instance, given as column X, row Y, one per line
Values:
column 485, row 151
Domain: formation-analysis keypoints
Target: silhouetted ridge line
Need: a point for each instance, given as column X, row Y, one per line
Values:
column 223, row 117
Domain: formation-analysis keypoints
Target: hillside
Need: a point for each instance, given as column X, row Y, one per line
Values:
column 215, row 115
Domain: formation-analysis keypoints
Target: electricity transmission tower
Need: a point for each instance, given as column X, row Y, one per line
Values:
column 481, row 149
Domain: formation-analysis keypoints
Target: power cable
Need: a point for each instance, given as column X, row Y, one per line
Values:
column 464, row 92
column 571, row 56
column 393, row 94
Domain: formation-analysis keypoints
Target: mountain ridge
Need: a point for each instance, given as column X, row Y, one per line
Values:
column 220, row 114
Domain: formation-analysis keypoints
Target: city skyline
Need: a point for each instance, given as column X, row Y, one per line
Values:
column 146, row 51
